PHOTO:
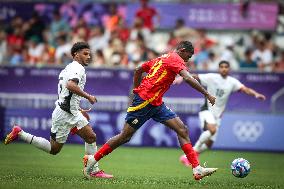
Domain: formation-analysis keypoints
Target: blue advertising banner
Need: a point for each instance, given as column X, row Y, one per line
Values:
column 106, row 124
column 237, row 132
column 251, row 132
column 119, row 82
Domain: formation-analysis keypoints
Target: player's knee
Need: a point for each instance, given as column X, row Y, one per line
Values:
column 91, row 138
column 183, row 131
column 212, row 129
column 54, row 151
column 209, row 143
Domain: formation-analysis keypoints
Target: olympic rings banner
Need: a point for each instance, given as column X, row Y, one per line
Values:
column 251, row 132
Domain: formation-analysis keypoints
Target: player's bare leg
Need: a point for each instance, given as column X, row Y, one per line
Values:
column 182, row 132
column 89, row 136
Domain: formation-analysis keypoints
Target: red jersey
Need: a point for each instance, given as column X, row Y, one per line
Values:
column 161, row 74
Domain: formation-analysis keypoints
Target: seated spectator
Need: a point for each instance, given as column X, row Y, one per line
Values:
column 147, row 14
column 62, row 52
column 99, row 59
column 3, row 47
column 35, row 50
column 98, row 38
column 58, row 27
column 263, row 56
column 279, row 65
column 248, row 62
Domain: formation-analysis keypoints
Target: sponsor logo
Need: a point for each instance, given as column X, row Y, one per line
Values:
column 248, row 131
column 135, row 121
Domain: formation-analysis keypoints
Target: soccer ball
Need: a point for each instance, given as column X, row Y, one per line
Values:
column 240, row 167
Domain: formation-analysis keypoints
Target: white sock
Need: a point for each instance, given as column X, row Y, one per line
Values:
column 202, row 148
column 202, row 139
column 91, row 149
column 39, row 142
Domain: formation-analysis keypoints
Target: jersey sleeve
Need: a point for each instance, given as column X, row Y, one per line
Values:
column 177, row 66
column 204, row 79
column 237, row 85
column 75, row 73
column 146, row 66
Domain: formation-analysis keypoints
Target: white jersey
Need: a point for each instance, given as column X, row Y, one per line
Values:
column 221, row 88
column 68, row 101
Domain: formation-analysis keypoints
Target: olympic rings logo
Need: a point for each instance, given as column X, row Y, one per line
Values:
column 248, row 131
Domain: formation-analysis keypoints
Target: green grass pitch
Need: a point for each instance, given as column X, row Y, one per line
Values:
column 23, row 166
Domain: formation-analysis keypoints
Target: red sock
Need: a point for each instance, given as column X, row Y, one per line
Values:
column 103, row 151
column 190, row 154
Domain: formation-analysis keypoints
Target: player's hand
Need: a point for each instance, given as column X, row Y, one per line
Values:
column 178, row 80
column 211, row 99
column 85, row 114
column 260, row 96
column 92, row 99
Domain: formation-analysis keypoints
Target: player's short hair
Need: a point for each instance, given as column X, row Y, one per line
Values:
column 224, row 62
column 79, row 46
column 186, row 45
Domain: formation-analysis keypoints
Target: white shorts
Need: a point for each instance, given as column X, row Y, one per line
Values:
column 208, row 117
column 63, row 122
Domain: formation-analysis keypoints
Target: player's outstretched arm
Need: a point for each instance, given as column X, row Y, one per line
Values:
column 137, row 76
column 74, row 88
column 251, row 92
column 195, row 84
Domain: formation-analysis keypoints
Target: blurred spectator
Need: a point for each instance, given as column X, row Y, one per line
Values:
column 201, row 59
column 35, row 50
column 183, row 33
column 263, row 56
column 35, row 27
column 279, row 65
column 62, row 53
column 172, row 42
column 48, row 55
column 15, row 43
column 99, row 59
column 58, row 27
column 213, row 62
column 3, row 47
column 123, row 32
column 112, row 20
column 81, row 32
column 138, row 29
column 248, row 62
column 229, row 55
column 147, row 14
column 98, row 38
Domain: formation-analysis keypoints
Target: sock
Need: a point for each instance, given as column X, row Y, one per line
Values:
column 39, row 142
column 103, row 151
column 202, row 148
column 202, row 139
column 190, row 154
column 91, row 149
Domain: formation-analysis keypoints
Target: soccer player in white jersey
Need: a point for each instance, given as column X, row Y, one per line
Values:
column 67, row 114
column 221, row 85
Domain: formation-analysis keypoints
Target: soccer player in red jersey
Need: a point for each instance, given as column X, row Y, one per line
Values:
column 147, row 103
